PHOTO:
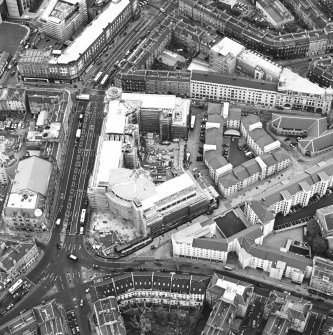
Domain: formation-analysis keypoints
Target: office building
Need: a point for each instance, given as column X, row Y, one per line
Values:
column 61, row 19
column 223, row 55
column 17, row 8
column 74, row 59
column 257, row 66
column 173, row 202
column 31, row 194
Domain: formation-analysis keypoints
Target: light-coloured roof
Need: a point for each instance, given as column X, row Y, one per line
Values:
column 195, row 230
column 227, row 46
column 129, row 184
column 168, row 188
column 32, row 174
column 159, row 101
column 255, row 60
column 232, row 132
column 291, row 81
column 92, row 32
column 109, row 159
column 198, row 65
column 116, row 119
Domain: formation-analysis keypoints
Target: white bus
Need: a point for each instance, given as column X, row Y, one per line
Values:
column 192, row 121
column 85, row 97
column 98, row 77
column 16, row 286
column 72, row 257
column 83, row 216
column 104, row 80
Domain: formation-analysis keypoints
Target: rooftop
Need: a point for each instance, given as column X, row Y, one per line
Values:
column 129, row 184
column 33, row 175
column 255, row 60
column 91, row 33
column 236, row 81
column 230, row 224
column 116, row 118
column 110, row 158
column 168, row 188
column 57, row 10
column 227, row 46
column 291, row 81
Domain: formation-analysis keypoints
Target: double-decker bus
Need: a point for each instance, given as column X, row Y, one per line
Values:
column 104, row 80
column 83, row 216
column 98, row 77
column 84, row 97
column 16, row 286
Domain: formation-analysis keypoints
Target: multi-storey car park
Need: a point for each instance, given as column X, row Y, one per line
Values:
column 73, row 60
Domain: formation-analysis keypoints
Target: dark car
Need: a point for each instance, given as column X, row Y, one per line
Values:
column 58, row 245
column 199, row 158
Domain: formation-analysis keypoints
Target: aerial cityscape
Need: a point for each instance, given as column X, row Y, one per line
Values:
column 166, row 167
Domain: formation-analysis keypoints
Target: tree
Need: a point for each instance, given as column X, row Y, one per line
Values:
column 313, row 230
column 319, row 245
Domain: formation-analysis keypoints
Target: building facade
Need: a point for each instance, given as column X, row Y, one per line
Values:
column 85, row 48
column 322, row 276
column 60, row 20
column 31, row 194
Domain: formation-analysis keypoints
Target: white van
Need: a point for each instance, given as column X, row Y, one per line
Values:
column 81, row 230
column 58, row 222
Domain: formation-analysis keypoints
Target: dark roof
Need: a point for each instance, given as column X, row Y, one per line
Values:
column 217, row 78
column 218, row 244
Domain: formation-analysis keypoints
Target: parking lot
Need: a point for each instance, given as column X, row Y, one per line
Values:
column 237, row 156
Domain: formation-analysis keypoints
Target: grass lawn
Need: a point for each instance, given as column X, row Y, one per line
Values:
column 10, row 36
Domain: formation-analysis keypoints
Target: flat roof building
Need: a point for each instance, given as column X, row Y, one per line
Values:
column 61, row 19
column 30, row 195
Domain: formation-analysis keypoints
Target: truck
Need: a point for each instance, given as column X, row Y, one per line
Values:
column 78, row 133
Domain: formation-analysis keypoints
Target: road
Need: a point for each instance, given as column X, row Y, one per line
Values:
column 55, row 271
